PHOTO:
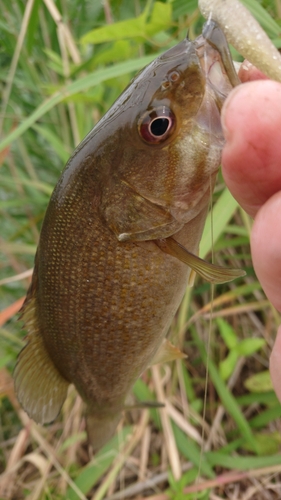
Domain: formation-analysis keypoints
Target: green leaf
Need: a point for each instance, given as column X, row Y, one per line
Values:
column 227, row 366
column 268, row 443
column 247, row 347
column 131, row 28
column 160, row 18
column 228, row 334
column 260, row 382
column 121, row 50
column 134, row 28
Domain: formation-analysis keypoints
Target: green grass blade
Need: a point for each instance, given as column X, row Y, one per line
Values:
column 192, row 452
column 222, row 212
column 243, row 463
column 83, row 83
column 90, row 474
column 263, row 17
column 228, row 400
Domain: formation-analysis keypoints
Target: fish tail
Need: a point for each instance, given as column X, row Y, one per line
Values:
column 40, row 388
column 101, row 428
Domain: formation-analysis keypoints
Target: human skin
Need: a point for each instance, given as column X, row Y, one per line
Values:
column 251, row 118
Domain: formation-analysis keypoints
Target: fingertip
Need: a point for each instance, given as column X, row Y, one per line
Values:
column 248, row 72
column 251, row 157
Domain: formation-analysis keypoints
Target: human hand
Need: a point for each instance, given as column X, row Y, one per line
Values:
column 251, row 161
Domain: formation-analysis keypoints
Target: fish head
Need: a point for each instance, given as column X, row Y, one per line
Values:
column 156, row 152
column 169, row 118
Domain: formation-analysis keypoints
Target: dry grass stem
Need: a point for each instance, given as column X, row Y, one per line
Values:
column 183, row 424
column 14, row 63
column 167, row 428
column 144, row 455
column 124, row 454
column 73, row 51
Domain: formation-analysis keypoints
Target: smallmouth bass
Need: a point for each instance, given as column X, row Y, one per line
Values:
column 120, row 237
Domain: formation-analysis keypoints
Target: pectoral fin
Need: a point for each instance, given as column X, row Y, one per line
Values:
column 210, row 272
column 167, row 352
column 40, row 388
column 134, row 218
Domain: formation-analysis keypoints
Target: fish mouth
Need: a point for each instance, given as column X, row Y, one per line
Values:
column 215, row 60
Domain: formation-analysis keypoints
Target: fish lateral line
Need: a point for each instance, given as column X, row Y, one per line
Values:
column 210, row 272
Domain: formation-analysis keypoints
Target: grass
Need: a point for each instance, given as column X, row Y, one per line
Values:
column 62, row 65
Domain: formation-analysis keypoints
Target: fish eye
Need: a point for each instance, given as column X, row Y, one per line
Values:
column 157, row 125
column 174, row 76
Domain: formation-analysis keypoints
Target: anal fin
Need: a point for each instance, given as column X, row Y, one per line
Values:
column 40, row 388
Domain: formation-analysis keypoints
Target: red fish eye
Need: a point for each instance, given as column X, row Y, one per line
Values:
column 157, row 125
column 174, row 76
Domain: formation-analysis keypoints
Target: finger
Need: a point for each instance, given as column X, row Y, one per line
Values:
column 265, row 248
column 275, row 365
column 251, row 119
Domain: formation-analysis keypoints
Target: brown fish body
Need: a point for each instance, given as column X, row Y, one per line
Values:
column 104, row 292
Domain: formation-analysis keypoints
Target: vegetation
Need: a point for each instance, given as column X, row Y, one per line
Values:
column 62, row 65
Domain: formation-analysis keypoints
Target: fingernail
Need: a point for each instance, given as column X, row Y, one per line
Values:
column 246, row 65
